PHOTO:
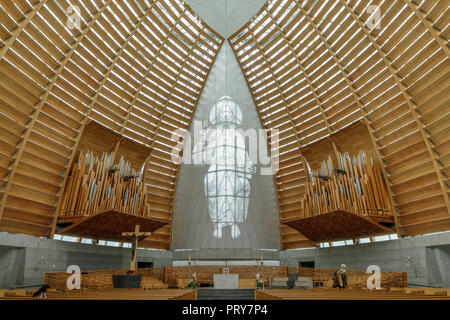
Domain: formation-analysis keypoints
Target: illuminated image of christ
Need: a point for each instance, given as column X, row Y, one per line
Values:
column 227, row 182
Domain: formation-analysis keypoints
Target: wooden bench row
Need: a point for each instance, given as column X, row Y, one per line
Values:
column 116, row 294
column 349, row 294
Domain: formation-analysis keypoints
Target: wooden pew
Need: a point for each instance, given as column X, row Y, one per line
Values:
column 347, row 294
column 247, row 283
column 116, row 294
column 13, row 292
column 428, row 291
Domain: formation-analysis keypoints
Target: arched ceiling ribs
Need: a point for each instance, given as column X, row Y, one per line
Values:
column 163, row 114
column 166, row 104
column 196, row 43
column 429, row 23
column 28, row 16
column 277, row 179
column 268, row 129
column 313, row 68
column 274, row 112
column 286, row 107
column 351, row 78
column 179, row 52
column 42, row 100
column 149, row 68
column 285, row 104
column 392, row 77
column 119, row 51
column 407, row 97
column 305, row 73
column 356, row 97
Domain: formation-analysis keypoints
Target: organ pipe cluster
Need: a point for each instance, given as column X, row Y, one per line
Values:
column 355, row 185
column 102, row 184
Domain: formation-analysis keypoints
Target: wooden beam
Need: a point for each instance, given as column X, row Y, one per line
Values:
column 41, row 103
column 149, row 68
column 407, row 97
column 268, row 144
column 427, row 22
column 305, row 73
column 165, row 108
column 288, row 113
column 188, row 128
column 285, row 106
column 37, row 5
column 361, row 108
column 89, row 110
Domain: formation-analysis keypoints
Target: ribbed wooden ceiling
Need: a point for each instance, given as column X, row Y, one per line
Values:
column 315, row 67
column 138, row 67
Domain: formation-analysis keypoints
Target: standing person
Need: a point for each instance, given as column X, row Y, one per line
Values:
column 336, row 283
column 343, row 276
column 42, row 292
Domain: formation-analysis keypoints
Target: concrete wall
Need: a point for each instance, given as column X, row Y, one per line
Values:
column 426, row 258
column 196, row 215
column 11, row 266
column 24, row 260
column 438, row 265
column 227, row 254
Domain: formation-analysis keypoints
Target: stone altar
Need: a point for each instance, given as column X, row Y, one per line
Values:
column 226, row 281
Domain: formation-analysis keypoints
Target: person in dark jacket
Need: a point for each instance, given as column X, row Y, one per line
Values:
column 42, row 292
column 343, row 273
column 336, row 283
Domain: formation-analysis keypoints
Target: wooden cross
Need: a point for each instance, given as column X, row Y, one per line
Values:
column 135, row 235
